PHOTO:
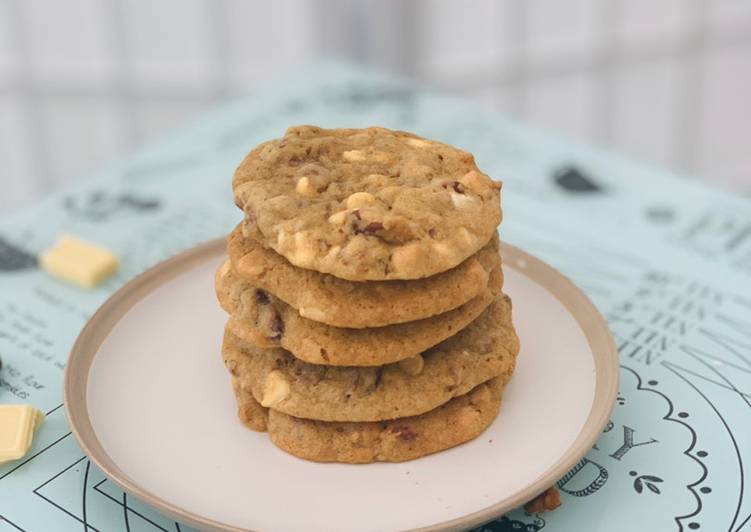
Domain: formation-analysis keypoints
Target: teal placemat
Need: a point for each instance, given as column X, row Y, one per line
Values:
column 667, row 260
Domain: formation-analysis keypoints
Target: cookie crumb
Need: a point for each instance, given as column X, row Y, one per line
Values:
column 548, row 500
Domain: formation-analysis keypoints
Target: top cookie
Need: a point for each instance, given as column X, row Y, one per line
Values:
column 366, row 204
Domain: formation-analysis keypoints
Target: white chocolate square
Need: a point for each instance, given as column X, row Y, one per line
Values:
column 79, row 262
column 17, row 426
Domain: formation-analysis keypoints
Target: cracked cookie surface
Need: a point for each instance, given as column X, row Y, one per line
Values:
column 263, row 320
column 366, row 204
column 487, row 348
column 334, row 301
column 456, row 422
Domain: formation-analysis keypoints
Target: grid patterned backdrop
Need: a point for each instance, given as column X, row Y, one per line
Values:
column 82, row 81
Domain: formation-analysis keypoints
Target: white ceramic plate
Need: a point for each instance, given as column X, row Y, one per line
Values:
column 150, row 402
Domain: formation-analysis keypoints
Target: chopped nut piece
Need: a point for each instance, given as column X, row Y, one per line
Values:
column 404, row 432
column 455, row 185
column 367, row 229
column 276, row 327
column 262, row 297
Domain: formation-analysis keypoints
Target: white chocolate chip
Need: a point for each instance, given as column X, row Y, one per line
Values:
column 338, row 218
column 418, row 143
column 275, row 389
column 224, row 270
column 354, row 155
column 465, row 237
column 281, row 239
column 304, row 188
column 247, row 231
column 301, row 257
column 442, row 248
column 303, row 251
column 404, row 258
column 463, row 202
column 360, row 199
column 476, row 182
column 333, row 251
column 313, row 313
column 412, row 366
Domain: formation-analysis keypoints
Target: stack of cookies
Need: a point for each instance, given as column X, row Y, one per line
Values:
column 364, row 291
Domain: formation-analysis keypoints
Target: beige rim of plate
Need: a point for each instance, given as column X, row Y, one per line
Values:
column 87, row 344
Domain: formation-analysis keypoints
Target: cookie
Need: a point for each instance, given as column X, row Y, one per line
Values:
column 250, row 411
column 456, row 422
column 487, row 348
column 328, row 299
column 366, row 204
column 265, row 321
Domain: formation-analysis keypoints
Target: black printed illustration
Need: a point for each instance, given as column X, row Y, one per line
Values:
column 100, row 205
column 525, row 523
column 13, row 258
column 719, row 233
column 693, row 330
column 573, row 179
column 660, row 214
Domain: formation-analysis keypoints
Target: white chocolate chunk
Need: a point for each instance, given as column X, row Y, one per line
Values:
column 225, row 269
column 79, row 262
column 418, row 143
column 443, row 249
column 475, row 181
column 304, row 188
column 465, row 237
column 275, row 389
column 404, row 258
column 303, row 251
column 312, row 313
column 281, row 239
column 412, row 366
column 354, row 155
column 17, row 426
column 338, row 218
column 360, row 199
column 333, row 252
column 464, row 202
